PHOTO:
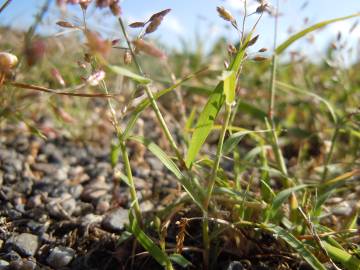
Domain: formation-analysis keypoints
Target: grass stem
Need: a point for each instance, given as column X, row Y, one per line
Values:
column 206, row 240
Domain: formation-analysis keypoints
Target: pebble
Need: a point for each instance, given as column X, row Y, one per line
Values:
column 344, row 208
column 23, row 265
column 3, row 264
column 60, row 257
column 146, row 206
column 235, row 265
column 95, row 190
column 90, row 219
column 155, row 163
column 11, row 256
column 26, row 244
column 116, row 220
column 102, row 206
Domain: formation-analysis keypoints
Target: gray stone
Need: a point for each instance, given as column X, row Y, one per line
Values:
column 115, row 220
column 95, row 190
column 11, row 256
column 3, row 264
column 60, row 257
column 235, row 265
column 90, row 219
column 26, row 244
column 155, row 163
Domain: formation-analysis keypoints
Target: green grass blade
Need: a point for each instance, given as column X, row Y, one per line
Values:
column 312, row 28
column 299, row 246
column 160, row 256
column 229, row 78
column 127, row 73
column 281, row 197
column 205, row 123
column 180, row 260
column 286, row 86
column 192, row 188
column 209, row 113
column 234, row 139
column 350, row 262
column 160, row 154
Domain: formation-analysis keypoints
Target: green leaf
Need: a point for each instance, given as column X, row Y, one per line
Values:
column 312, row 28
column 208, row 115
column 160, row 154
column 350, row 262
column 180, row 260
column 235, row 138
column 299, row 246
column 281, row 197
column 191, row 187
column 127, row 73
column 286, row 86
column 160, row 256
column 229, row 78
column 205, row 123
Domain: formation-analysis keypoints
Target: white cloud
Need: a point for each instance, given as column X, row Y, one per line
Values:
column 344, row 27
column 172, row 23
column 239, row 5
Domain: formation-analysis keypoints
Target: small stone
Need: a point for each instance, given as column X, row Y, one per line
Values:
column 60, row 257
column 34, row 201
column 11, row 256
column 22, row 265
column 95, row 190
column 90, row 219
column 344, row 208
column 102, row 207
column 235, row 265
column 155, row 163
column 63, row 206
column 25, row 243
column 76, row 191
column 146, row 206
column 115, row 220
column 3, row 264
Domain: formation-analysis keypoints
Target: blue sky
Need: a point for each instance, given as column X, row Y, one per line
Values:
column 198, row 16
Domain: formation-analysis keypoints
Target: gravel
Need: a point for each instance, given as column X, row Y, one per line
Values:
column 26, row 244
column 60, row 257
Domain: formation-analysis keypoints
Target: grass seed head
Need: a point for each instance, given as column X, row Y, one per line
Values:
column 97, row 44
column 7, row 61
column 160, row 14
column 148, row 48
column 115, row 8
column 84, row 4
column 225, row 14
column 65, row 24
column 127, row 58
column 137, row 24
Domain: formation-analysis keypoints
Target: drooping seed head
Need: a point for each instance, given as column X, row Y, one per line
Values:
column 7, row 61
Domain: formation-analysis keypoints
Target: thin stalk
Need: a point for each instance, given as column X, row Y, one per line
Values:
column 152, row 99
column 331, row 153
column 205, row 227
column 4, row 5
column 125, row 158
column 274, row 68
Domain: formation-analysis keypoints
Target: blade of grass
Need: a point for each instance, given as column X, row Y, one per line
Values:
column 299, row 246
column 350, row 262
column 160, row 256
column 191, row 187
column 127, row 73
column 209, row 113
column 282, row 47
